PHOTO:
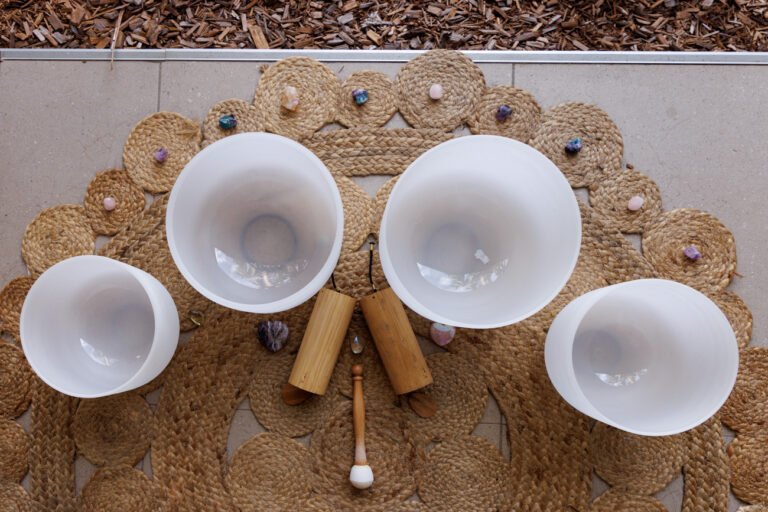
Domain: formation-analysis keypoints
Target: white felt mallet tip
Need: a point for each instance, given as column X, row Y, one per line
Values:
column 361, row 477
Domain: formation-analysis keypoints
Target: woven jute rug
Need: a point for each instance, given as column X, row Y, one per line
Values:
column 420, row 464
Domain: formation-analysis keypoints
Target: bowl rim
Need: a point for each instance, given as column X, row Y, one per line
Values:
column 316, row 283
column 402, row 291
column 89, row 259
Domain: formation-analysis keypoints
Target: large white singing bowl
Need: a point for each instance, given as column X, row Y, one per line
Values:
column 92, row 327
column 255, row 223
column 480, row 232
column 652, row 357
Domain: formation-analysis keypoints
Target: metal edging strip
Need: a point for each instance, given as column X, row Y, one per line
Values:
column 504, row 57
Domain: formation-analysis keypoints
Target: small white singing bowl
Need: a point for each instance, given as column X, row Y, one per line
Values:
column 651, row 357
column 255, row 223
column 92, row 326
column 480, row 232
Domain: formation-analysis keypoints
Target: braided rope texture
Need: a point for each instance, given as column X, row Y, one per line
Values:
column 554, row 449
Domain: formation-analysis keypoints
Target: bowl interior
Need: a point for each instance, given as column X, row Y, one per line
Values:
column 480, row 231
column 655, row 360
column 87, row 327
column 255, row 219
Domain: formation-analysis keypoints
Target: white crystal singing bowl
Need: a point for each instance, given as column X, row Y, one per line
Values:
column 480, row 232
column 651, row 357
column 92, row 326
column 255, row 223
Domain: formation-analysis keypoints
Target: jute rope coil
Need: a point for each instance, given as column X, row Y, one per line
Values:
column 351, row 274
column 462, row 82
column 129, row 201
column 121, row 489
column 358, row 211
column 211, row 376
column 380, row 204
column 753, row 508
column 611, row 197
column 461, row 394
column 52, row 449
column 546, row 436
column 465, row 473
column 270, row 472
column 268, row 406
column 143, row 244
column 392, row 455
column 11, row 301
column 14, row 451
column 672, row 232
column 15, row 499
column 639, row 464
column 16, row 380
column 706, row 469
column 520, row 125
column 620, row 501
column 602, row 144
column 381, row 104
column 114, row 430
column 747, row 406
column 317, row 88
column 749, row 466
column 56, row 234
column 738, row 314
column 179, row 136
column 246, row 116
column 369, row 151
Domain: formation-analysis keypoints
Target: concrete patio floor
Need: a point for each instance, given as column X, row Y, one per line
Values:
column 701, row 131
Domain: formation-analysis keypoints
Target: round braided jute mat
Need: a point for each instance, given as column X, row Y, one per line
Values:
column 11, row 300
column 14, row 451
column 549, row 467
column 16, row 379
column 611, row 199
column 129, row 201
column 639, row 464
column 620, row 501
column 462, row 81
column 269, row 408
column 317, row 87
column 56, row 234
column 749, row 466
column 246, row 116
column 381, row 104
column 665, row 240
column 747, row 406
column 465, row 473
column 738, row 314
column 461, row 394
column 113, row 430
column 602, row 144
column 520, row 125
column 179, row 136
column 14, row 498
column 392, row 455
column 753, row 508
column 358, row 211
column 270, row 472
column 121, row 489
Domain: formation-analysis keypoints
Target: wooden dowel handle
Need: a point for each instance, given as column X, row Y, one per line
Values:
column 358, row 415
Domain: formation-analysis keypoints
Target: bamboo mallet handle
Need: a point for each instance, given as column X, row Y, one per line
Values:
column 360, row 475
column 358, row 415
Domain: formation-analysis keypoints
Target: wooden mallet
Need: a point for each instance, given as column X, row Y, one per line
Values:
column 360, row 476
